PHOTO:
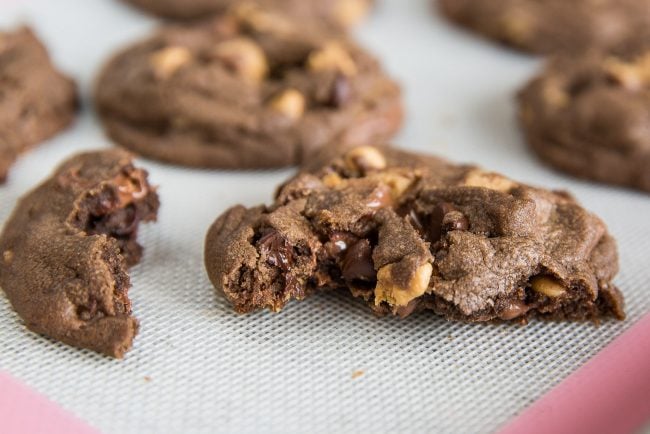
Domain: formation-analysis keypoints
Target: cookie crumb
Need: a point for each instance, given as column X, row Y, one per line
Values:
column 147, row 379
column 357, row 374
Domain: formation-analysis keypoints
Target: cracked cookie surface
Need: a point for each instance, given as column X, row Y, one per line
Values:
column 338, row 13
column 250, row 89
column 590, row 117
column 67, row 246
column 36, row 100
column 407, row 232
column 555, row 26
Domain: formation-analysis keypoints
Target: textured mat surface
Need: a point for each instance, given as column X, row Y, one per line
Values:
column 326, row 364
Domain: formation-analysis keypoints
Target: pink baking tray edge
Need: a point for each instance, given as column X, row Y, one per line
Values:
column 610, row 394
column 23, row 411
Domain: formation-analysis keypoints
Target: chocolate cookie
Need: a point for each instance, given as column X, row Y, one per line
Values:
column 67, row 246
column 408, row 232
column 554, row 26
column 247, row 90
column 36, row 100
column 338, row 13
column 590, row 117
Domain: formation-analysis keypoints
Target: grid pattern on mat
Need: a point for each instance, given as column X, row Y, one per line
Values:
column 325, row 364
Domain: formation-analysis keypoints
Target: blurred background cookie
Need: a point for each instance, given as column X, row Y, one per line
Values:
column 339, row 13
column 552, row 26
column 250, row 89
column 36, row 100
column 590, row 117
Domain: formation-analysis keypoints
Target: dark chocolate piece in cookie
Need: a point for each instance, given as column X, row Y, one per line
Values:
column 338, row 13
column 590, row 117
column 409, row 232
column 555, row 26
column 247, row 90
column 36, row 100
column 66, row 249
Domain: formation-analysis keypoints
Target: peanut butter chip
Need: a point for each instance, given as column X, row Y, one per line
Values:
column 350, row 12
column 332, row 56
column 517, row 25
column 547, row 285
column 167, row 61
column 633, row 76
column 131, row 187
column 387, row 290
column 493, row 181
column 554, row 95
column 261, row 20
column 244, row 57
column 290, row 103
column 365, row 159
column 398, row 184
column 332, row 180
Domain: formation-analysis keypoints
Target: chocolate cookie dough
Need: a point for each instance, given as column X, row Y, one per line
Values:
column 67, row 246
column 247, row 90
column 590, row 117
column 555, row 26
column 339, row 13
column 408, row 232
column 36, row 100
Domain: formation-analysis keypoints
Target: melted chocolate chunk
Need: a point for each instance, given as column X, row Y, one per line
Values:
column 357, row 263
column 275, row 249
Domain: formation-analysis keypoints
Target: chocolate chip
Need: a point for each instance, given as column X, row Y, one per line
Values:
column 123, row 221
column 413, row 218
column 579, row 85
column 357, row 263
column 380, row 197
column 446, row 218
column 513, row 309
column 436, row 220
column 341, row 92
column 404, row 311
column 103, row 202
column 276, row 250
column 455, row 221
column 339, row 242
column 291, row 283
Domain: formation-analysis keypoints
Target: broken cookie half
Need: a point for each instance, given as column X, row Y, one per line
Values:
column 408, row 232
column 67, row 247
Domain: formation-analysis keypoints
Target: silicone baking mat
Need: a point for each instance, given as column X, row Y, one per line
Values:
column 326, row 364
